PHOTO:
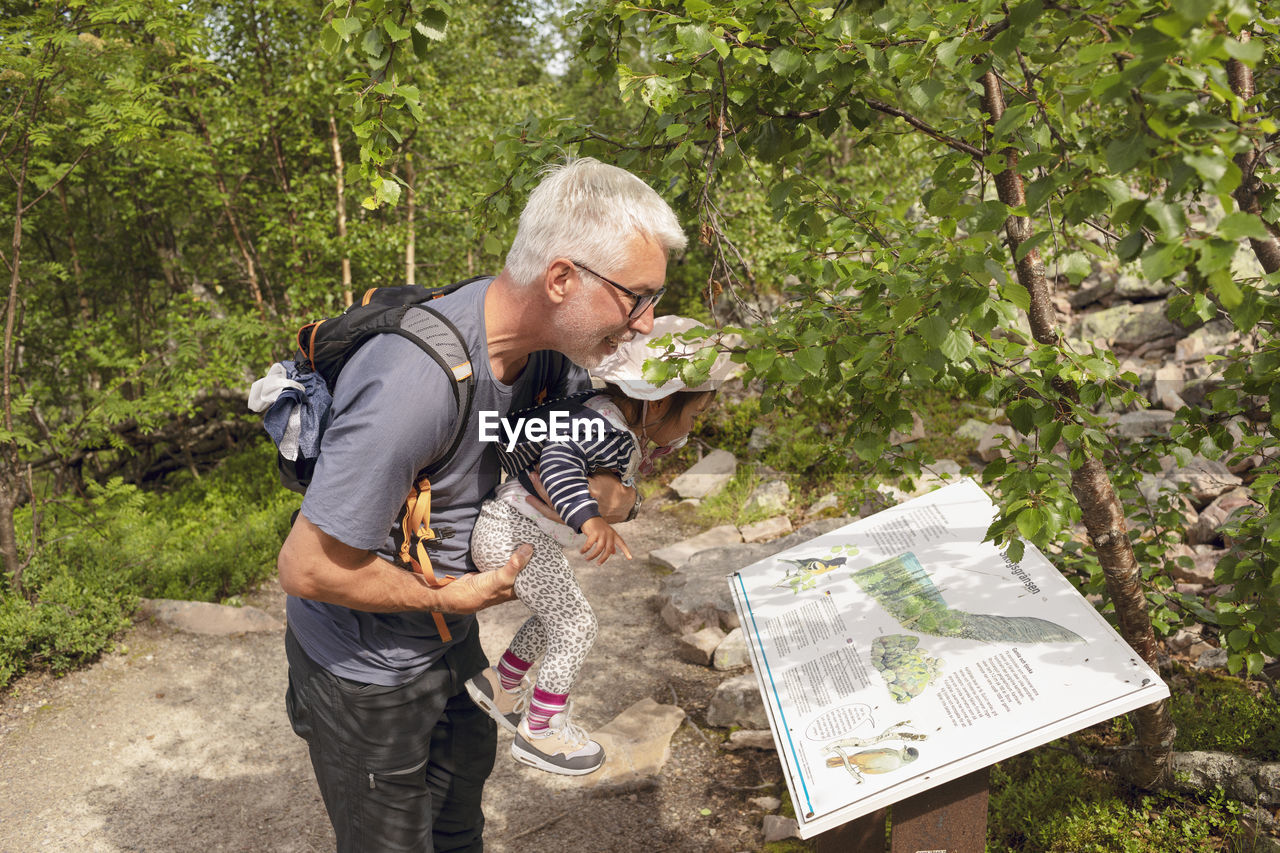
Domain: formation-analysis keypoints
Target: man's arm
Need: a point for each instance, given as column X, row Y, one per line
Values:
column 614, row 499
column 315, row 565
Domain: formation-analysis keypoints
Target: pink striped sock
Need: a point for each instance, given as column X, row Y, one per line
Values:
column 511, row 670
column 543, row 707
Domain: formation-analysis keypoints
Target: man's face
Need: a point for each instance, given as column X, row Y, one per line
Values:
column 595, row 318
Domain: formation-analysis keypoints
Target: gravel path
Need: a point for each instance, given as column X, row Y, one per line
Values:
column 179, row 742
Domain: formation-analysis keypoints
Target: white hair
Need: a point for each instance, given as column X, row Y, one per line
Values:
column 589, row 211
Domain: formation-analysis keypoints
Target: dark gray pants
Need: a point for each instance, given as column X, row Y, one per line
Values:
column 399, row 768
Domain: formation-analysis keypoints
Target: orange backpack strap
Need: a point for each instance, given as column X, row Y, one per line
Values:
column 416, row 532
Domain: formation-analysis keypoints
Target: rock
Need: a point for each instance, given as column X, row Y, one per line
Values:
column 1208, row 526
column 824, row 507
column 637, row 743
column 1143, row 423
column 758, row 441
column 1099, row 326
column 770, row 528
column 778, row 828
column 708, row 475
column 1241, row 778
column 1166, row 390
column 732, row 652
column 1207, row 479
column 750, row 739
column 1143, row 327
column 697, row 593
column 201, row 617
column 770, row 498
column 766, row 804
column 940, row 473
column 917, row 432
column 1201, row 569
column 675, row 556
column 1182, row 640
column 737, row 703
column 1212, row 659
column 972, row 430
column 991, row 445
column 1090, row 293
column 1135, row 288
column 698, row 647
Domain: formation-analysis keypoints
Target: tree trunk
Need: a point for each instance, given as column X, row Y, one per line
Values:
column 250, row 268
column 1104, row 520
column 342, row 210
column 1250, row 163
column 410, row 240
column 10, row 487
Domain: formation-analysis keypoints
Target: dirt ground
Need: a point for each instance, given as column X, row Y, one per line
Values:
column 179, row 742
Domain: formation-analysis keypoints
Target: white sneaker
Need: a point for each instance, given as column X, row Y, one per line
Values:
column 560, row 748
column 505, row 706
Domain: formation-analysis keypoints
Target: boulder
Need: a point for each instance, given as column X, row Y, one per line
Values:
column 991, row 445
column 769, row 498
column 675, row 556
column 779, row 828
column 1207, row 529
column 707, row 476
column 1137, row 288
column 1144, row 327
column 749, row 739
column 770, row 528
column 737, row 702
column 732, row 652
column 1143, row 423
column 824, row 507
column 637, row 743
column 917, row 432
column 1207, row 479
column 699, row 646
column 202, row 617
column 697, row 593
column 972, row 430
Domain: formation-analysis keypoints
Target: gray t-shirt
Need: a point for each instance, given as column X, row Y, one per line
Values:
column 393, row 412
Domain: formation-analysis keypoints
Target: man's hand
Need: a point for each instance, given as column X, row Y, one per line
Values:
column 614, row 499
column 478, row 590
column 312, row 564
column 602, row 541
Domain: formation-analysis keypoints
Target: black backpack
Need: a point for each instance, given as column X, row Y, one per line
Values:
column 325, row 346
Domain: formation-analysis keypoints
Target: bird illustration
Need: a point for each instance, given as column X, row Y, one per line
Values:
column 806, row 572
column 882, row 760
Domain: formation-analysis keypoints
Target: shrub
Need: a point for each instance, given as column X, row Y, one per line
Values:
column 205, row 539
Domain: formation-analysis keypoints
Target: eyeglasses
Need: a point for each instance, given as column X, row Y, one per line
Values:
column 642, row 300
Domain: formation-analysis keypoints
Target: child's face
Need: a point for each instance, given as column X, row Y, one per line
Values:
column 677, row 426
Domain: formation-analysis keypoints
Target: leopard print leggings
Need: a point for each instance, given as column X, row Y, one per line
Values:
column 562, row 626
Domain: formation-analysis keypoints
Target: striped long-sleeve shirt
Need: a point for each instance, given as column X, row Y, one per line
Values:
column 595, row 438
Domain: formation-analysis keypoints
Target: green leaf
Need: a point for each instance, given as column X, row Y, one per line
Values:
column 1026, row 246
column 372, row 43
column 957, row 345
column 1016, row 294
column 786, row 61
column 1239, row 225
column 811, row 360
column 1249, row 52
column 1030, row 522
column 1170, row 217
column 346, row 27
column 1210, row 168
column 394, row 31
column 433, row 24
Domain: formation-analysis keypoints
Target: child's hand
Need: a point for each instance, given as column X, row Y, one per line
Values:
column 602, row 541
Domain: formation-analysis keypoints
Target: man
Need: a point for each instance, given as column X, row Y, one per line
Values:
column 399, row 750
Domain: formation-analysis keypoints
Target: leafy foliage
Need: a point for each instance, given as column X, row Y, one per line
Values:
column 208, row 539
